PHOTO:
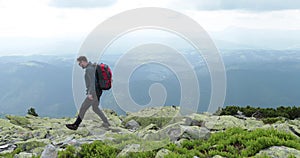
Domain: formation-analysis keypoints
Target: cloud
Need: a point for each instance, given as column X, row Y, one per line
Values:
column 249, row 5
column 81, row 3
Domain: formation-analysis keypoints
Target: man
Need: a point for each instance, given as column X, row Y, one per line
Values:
column 93, row 94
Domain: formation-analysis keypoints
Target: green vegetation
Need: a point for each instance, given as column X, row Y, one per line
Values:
column 100, row 149
column 238, row 143
column 272, row 120
column 152, row 137
column 18, row 120
column 145, row 154
column 27, row 146
column 95, row 149
column 12, row 154
column 121, row 140
column 287, row 112
column 30, row 145
column 32, row 112
column 69, row 152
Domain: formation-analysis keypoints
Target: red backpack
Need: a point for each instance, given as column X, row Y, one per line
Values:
column 103, row 76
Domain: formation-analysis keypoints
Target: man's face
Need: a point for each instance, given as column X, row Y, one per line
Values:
column 82, row 64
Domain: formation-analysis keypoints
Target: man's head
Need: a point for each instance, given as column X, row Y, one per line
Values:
column 82, row 61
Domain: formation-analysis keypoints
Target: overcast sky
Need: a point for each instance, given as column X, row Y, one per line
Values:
column 59, row 26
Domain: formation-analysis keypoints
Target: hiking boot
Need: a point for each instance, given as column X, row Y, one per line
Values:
column 72, row 126
column 75, row 125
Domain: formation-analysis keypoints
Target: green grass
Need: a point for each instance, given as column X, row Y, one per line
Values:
column 272, row 120
column 233, row 142
column 18, row 120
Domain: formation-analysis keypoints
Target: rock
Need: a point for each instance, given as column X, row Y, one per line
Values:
column 239, row 112
column 166, row 111
column 295, row 130
column 197, row 123
column 114, row 119
column 24, row 155
column 7, row 148
column 160, row 116
column 240, row 115
column 286, row 127
column 38, row 151
column 196, row 119
column 162, row 153
column 195, row 132
column 150, row 129
column 158, row 124
column 192, row 122
column 177, row 131
column 49, row 152
column 91, row 139
column 31, row 144
column 295, row 122
column 129, row 148
column 174, row 133
column 67, row 141
column 223, row 122
column 133, row 125
column 96, row 130
column 279, row 152
column 252, row 123
column 218, row 156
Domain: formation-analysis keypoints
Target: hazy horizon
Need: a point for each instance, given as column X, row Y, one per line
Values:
column 61, row 26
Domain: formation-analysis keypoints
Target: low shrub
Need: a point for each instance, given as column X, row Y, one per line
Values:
column 235, row 142
column 287, row 112
column 271, row 120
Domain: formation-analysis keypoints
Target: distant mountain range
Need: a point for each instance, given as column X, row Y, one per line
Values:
column 265, row 78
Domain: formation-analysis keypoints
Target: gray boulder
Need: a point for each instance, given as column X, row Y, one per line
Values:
column 133, row 125
column 279, row 152
column 177, row 131
column 24, row 155
column 195, row 132
column 49, row 152
column 223, row 122
column 7, row 148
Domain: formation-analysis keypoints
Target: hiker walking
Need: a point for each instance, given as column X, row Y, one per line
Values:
column 93, row 94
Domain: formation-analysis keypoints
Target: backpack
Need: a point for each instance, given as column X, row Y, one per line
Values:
column 103, row 76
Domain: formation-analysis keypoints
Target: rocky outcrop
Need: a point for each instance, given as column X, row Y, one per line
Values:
column 132, row 125
column 49, row 152
column 42, row 136
column 279, row 151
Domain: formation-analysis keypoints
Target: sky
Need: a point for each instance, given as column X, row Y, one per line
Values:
column 60, row 26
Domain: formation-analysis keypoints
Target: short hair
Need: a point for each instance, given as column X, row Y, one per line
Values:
column 82, row 58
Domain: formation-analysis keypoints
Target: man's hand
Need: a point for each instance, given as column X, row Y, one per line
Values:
column 90, row 97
